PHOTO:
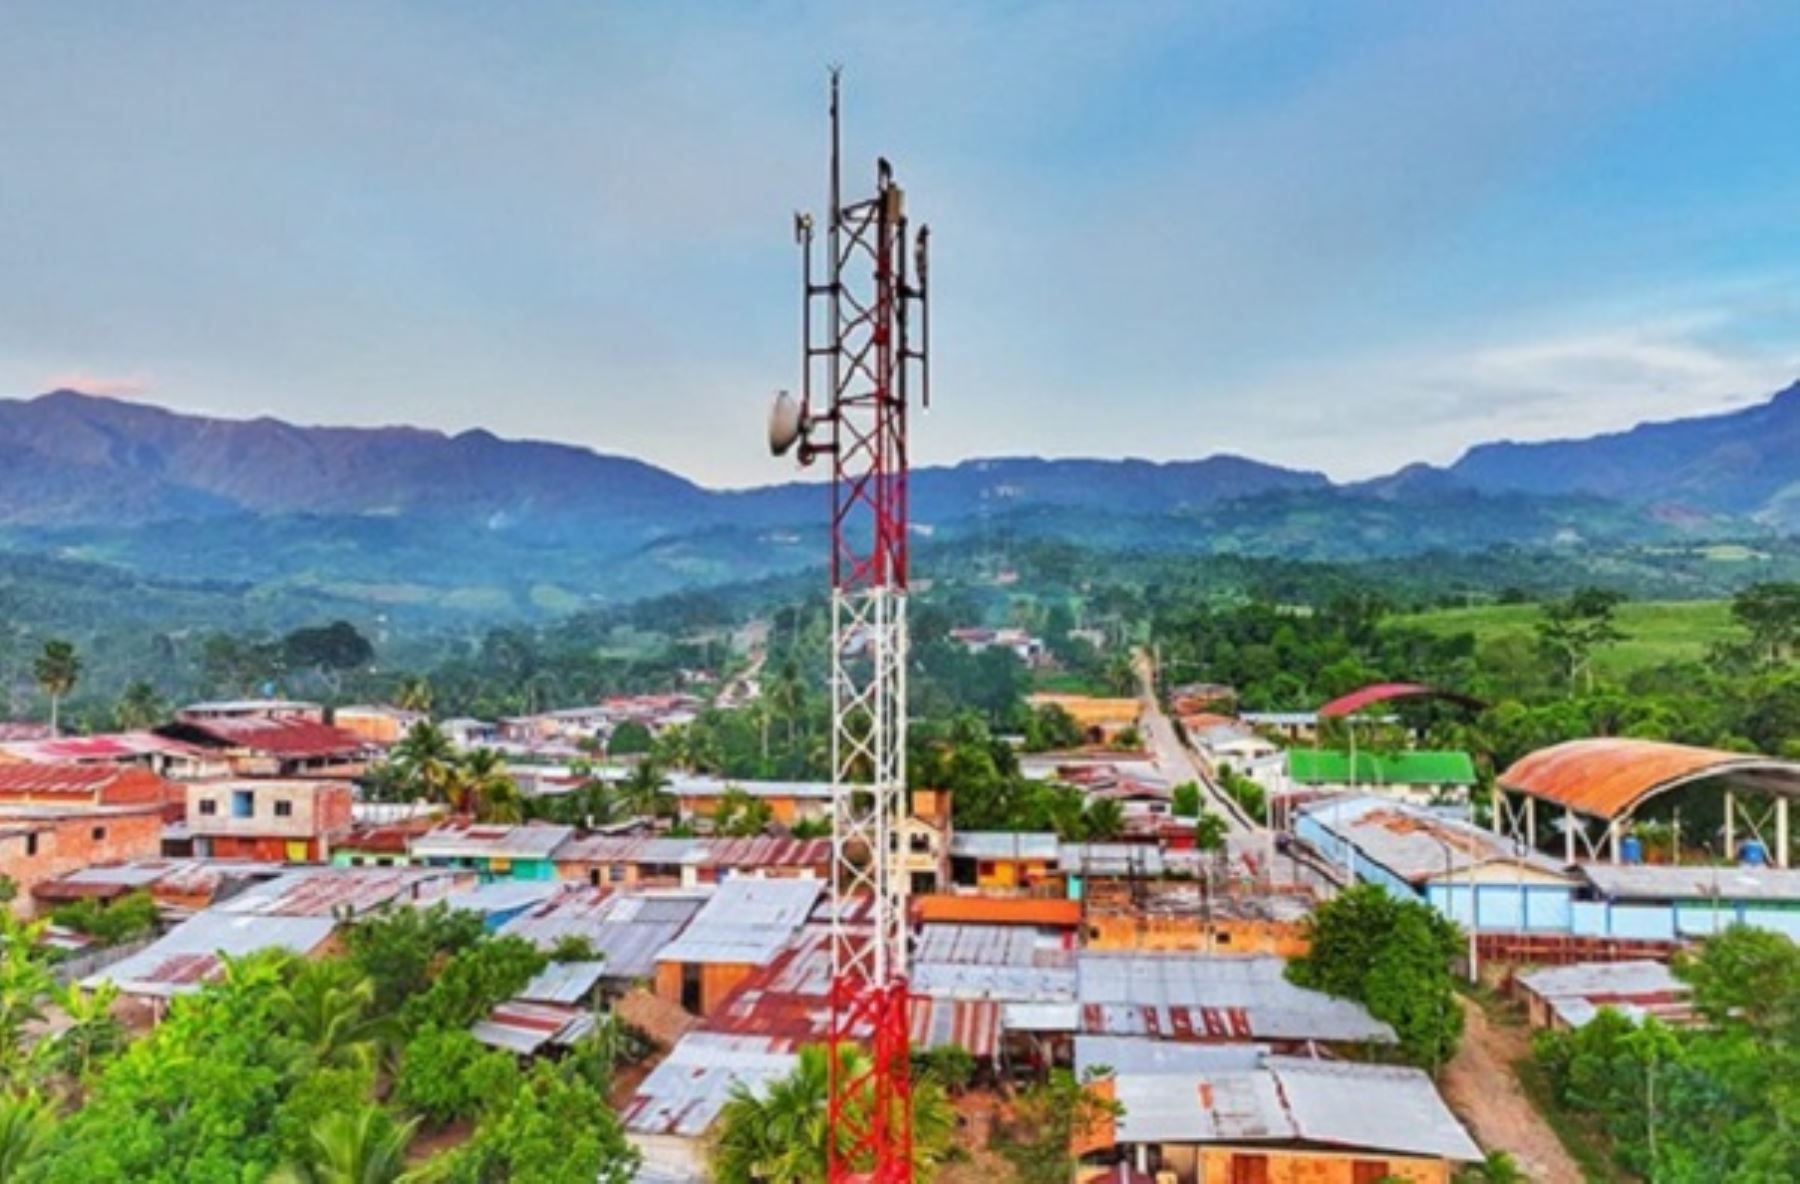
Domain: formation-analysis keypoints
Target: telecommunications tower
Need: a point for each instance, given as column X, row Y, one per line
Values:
column 860, row 355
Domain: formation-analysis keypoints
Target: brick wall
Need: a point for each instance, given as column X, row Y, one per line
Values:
column 71, row 842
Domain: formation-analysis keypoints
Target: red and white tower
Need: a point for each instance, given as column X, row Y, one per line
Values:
column 859, row 352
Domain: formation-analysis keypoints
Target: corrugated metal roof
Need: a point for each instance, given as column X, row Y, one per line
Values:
column 1130, row 1054
column 638, row 849
column 684, row 1094
column 1648, row 882
column 285, row 737
column 1607, row 777
column 1040, row 1017
column 524, row 1028
column 502, row 896
column 1415, row 844
column 474, row 840
column 325, row 891
column 1380, row 1107
column 976, row 844
column 563, row 982
column 970, row 1024
column 1384, row 692
column 188, row 955
column 628, row 930
column 715, row 787
column 1196, row 997
column 995, row 945
column 1020, row 984
column 762, row 851
column 1637, row 989
column 747, row 921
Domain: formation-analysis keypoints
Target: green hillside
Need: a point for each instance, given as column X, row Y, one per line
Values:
column 1656, row 631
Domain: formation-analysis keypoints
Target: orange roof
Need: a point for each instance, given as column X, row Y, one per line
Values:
column 1606, row 778
column 997, row 910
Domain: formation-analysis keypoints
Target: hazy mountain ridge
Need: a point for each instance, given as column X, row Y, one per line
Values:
column 405, row 515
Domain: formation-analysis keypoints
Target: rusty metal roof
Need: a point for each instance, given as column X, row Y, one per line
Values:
column 1608, row 777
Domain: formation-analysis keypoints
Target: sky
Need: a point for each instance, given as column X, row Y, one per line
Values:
column 1343, row 237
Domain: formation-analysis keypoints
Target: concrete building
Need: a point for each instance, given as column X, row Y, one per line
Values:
column 289, row 821
column 493, row 851
column 1005, row 860
column 39, row 844
column 745, row 925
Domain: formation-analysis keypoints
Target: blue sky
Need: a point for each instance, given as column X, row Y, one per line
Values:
column 1331, row 236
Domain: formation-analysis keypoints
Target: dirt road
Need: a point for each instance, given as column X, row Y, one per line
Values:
column 1485, row 1093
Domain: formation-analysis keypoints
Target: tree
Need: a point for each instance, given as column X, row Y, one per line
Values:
column 128, row 917
column 642, row 791
column 1571, row 629
column 1039, row 1141
column 480, row 785
column 1104, row 820
column 57, row 670
column 400, row 948
column 424, row 763
column 327, row 1007
column 1211, row 831
column 741, row 816
column 361, row 1146
column 1748, row 979
column 26, row 1121
column 416, row 694
column 327, row 650
column 630, row 738
column 1184, row 800
column 141, row 706
column 446, row 1074
column 1049, row 728
column 554, row 1128
column 1771, row 613
column 780, row 1133
column 92, row 1033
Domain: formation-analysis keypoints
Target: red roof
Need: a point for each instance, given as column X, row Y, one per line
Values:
column 111, row 785
column 1608, row 777
column 1355, row 701
column 286, row 737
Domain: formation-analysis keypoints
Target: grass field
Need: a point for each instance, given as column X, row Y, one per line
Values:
column 1656, row 630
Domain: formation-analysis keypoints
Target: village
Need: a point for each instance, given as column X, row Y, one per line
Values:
column 1151, row 963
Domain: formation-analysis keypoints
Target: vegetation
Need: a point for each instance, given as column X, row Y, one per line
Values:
column 1715, row 1102
column 131, row 916
column 780, row 1132
column 1038, row 1139
column 1394, row 957
column 57, row 670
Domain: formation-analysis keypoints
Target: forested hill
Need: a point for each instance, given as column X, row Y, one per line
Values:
column 408, row 516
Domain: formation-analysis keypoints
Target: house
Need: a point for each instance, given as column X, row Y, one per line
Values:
column 465, row 733
column 1005, row 860
column 381, row 844
column 698, row 798
column 289, row 821
column 1022, row 645
column 66, row 786
column 1101, row 720
column 1478, row 879
column 1565, row 997
column 626, row 861
column 744, row 926
column 1420, row 777
column 39, row 844
column 1181, row 917
column 669, row 1117
column 922, row 846
column 1662, row 903
column 159, row 754
column 262, row 709
column 1242, row 1116
column 180, row 887
column 377, row 723
column 281, row 745
column 1295, row 727
column 522, row 852
column 627, row 930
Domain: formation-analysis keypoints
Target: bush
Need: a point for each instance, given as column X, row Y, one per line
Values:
column 447, row 1074
column 132, row 915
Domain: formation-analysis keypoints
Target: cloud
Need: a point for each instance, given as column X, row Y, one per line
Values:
column 121, row 386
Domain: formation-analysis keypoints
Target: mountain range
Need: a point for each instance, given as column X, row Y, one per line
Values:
column 472, row 521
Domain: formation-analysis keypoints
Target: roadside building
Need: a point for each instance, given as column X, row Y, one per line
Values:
column 1419, row 777
column 180, row 887
column 1565, row 997
column 1005, row 860
column 1476, row 878
column 1190, row 918
column 38, row 844
column 289, row 821
column 493, row 851
column 745, row 925
column 1243, row 1116
column 1101, row 720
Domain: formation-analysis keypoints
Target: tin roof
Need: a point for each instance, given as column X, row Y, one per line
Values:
column 746, row 921
column 714, row 787
column 1606, row 778
column 1183, row 996
column 1414, row 843
column 329, row 891
column 762, row 851
column 476, row 840
column 639, row 849
column 995, row 844
column 1624, row 881
column 629, row 931
column 72, row 780
column 1638, row 989
column 295, row 738
column 1379, row 1107
column 995, row 945
column 525, row 1028
column 188, row 955
column 563, row 982
column 111, row 747
column 684, row 1094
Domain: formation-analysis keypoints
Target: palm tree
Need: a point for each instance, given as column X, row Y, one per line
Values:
column 140, row 706
column 480, row 785
column 26, row 1121
column 329, row 1010
column 415, row 695
column 92, row 1032
column 425, row 761
column 362, row 1146
column 642, row 791
column 778, row 1135
column 1104, row 820
column 57, row 670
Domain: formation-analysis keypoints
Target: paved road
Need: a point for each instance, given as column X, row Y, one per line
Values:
column 1178, row 762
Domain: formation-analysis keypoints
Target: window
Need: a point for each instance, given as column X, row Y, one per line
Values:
column 594, row 877
column 691, row 994
column 209, row 807
column 1249, row 1169
column 1222, row 938
column 98, row 834
column 243, row 803
column 921, row 843
column 284, row 808
column 616, row 873
column 1369, row 1171
column 31, row 845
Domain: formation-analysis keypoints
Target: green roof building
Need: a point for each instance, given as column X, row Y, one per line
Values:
column 1415, row 776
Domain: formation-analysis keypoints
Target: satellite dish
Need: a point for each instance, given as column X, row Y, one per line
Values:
column 787, row 423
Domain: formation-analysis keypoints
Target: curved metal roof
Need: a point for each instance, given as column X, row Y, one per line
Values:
column 1609, row 777
column 1381, row 692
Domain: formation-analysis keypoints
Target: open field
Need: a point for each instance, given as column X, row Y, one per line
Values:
column 1656, row 630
